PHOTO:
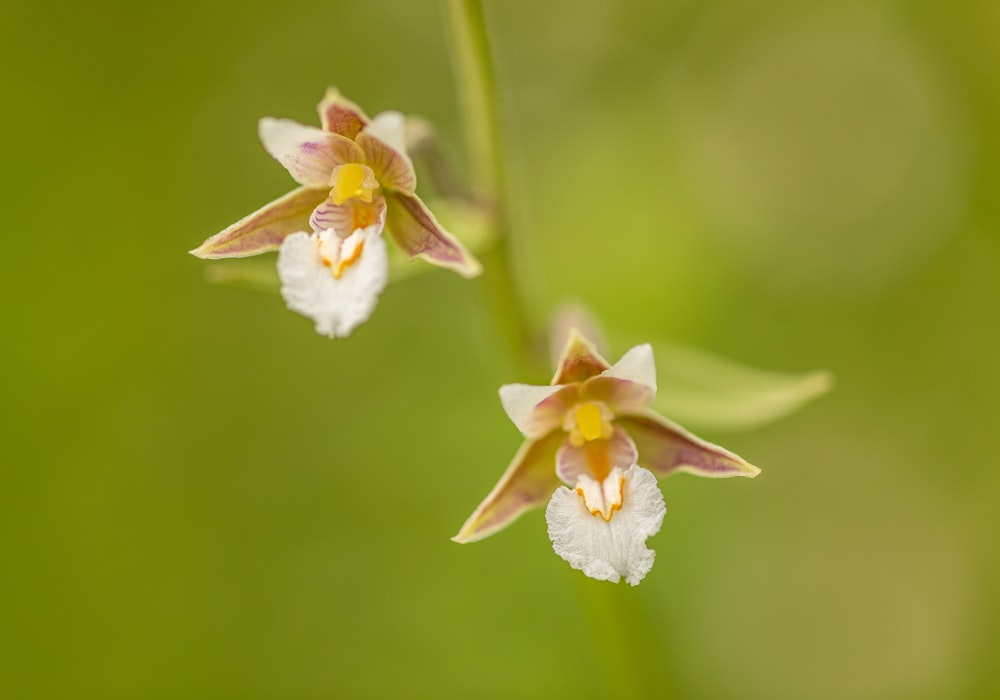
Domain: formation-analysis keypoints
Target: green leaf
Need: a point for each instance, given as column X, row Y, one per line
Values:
column 707, row 392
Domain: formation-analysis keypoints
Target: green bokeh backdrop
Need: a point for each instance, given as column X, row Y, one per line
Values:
column 204, row 499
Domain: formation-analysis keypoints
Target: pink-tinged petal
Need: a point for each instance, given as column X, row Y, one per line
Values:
column 265, row 229
column 620, row 395
column 552, row 410
column 595, row 458
column 383, row 144
column 309, row 154
column 665, row 447
column 579, row 361
column 389, row 128
column 520, row 401
column 418, row 234
column 637, row 366
column 528, row 482
column 348, row 217
column 339, row 115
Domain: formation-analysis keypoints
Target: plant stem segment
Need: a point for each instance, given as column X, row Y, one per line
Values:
column 477, row 91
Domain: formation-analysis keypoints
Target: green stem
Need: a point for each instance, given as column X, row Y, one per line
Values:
column 477, row 91
column 626, row 643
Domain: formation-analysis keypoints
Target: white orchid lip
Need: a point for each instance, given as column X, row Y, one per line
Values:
column 334, row 281
column 601, row 527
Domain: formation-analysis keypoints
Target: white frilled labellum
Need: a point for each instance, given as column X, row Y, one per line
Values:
column 601, row 527
column 334, row 281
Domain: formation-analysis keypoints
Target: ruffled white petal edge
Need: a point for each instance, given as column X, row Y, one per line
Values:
column 608, row 550
column 519, row 402
column 309, row 287
column 636, row 365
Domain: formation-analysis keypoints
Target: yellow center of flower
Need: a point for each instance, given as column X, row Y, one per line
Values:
column 589, row 424
column 589, row 421
column 352, row 180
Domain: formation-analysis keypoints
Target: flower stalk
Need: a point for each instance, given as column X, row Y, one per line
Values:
column 477, row 90
column 477, row 94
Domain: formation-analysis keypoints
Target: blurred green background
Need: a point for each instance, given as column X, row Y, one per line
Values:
column 205, row 499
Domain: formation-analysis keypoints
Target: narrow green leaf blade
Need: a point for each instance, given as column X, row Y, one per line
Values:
column 707, row 392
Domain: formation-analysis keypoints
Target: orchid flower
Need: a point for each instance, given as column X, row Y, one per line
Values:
column 592, row 430
column 355, row 179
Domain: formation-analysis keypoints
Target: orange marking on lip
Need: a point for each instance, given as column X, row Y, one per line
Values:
column 345, row 263
column 615, row 507
column 598, row 458
column 363, row 215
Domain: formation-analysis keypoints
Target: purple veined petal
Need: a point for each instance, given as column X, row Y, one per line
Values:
column 665, row 447
column 392, row 167
column 551, row 411
column 620, row 395
column 389, row 128
column 528, row 483
column 636, row 365
column 521, row 402
column 265, row 229
column 415, row 230
column 309, row 154
column 595, row 458
column 348, row 217
column 628, row 386
column 579, row 361
column 339, row 115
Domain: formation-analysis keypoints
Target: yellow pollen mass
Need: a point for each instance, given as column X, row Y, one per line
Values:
column 589, row 421
column 350, row 182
